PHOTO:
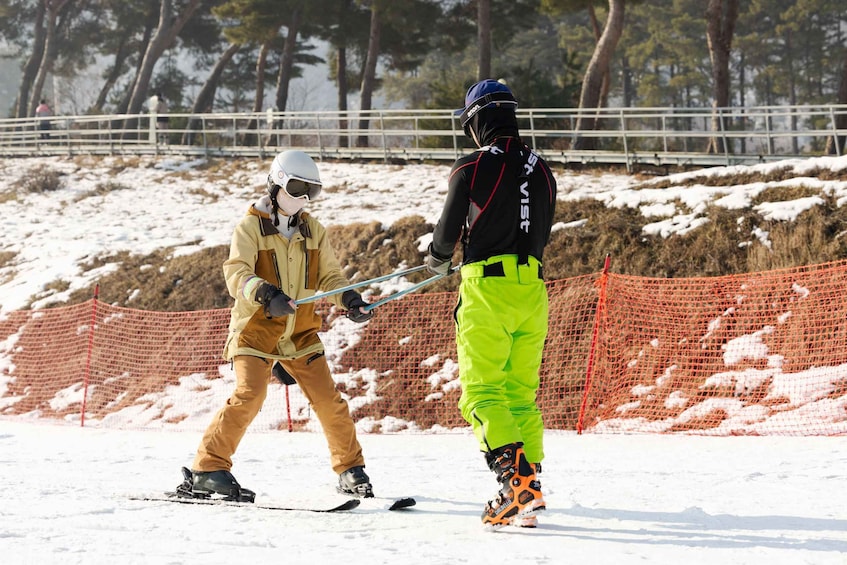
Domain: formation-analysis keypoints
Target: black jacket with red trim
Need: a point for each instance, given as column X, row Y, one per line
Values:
column 489, row 203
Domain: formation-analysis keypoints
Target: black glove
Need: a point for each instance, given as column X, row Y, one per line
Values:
column 282, row 375
column 352, row 300
column 276, row 302
column 436, row 264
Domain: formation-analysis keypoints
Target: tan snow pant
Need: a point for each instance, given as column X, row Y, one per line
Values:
column 252, row 374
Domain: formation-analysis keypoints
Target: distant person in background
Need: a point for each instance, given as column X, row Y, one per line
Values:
column 500, row 204
column 43, row 111
column 159, row 106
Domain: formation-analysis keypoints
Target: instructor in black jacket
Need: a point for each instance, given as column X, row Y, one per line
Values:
column 500, row 205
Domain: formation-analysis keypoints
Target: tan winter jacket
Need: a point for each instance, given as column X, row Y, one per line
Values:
column 300, row 267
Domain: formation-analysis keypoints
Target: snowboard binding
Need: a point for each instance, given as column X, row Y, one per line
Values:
column 217, row 485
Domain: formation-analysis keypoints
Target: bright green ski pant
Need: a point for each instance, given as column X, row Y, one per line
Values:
column 501, row 325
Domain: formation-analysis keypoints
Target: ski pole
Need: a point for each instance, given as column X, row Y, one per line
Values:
column 406, row 291
column 320, row 295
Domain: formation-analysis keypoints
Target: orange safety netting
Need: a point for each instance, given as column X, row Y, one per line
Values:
column 761, row 353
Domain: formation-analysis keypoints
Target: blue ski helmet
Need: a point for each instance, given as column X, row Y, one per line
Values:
column 483, row 94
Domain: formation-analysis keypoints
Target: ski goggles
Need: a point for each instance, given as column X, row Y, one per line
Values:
column 296, row 187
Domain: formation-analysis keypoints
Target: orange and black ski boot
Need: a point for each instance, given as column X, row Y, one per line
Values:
column 520, row 495
column 530, row 521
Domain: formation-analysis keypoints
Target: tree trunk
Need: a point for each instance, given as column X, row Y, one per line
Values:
column 721, row 16
column 741, row 122
column 169, row 28
column 483, row 30
column 341, row 74
column 112, row 77
column 206, row 97
column 369, row 75
column 261, row 65
column 607, row 75
column 838, row 145
column 142, row 48
column 792, row 86
column 30, row 70
column 592, row 84
column 259, row 98
column 48, row 56
column 289, row 48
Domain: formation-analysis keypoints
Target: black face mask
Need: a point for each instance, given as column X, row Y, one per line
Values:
column 493, row 122
column 493, row 101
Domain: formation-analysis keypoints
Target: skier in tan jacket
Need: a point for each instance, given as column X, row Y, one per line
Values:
column 280, row 254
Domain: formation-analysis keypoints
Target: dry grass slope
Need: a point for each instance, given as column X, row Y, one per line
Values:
column 720, row 247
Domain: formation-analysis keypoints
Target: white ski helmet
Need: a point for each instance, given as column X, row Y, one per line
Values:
column 296, row 173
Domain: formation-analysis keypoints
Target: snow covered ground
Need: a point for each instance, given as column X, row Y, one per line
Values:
column 612, row 499
column 616, row 499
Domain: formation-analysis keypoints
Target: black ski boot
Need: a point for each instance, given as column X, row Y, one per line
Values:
column 355, row 482
column 200, row 484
